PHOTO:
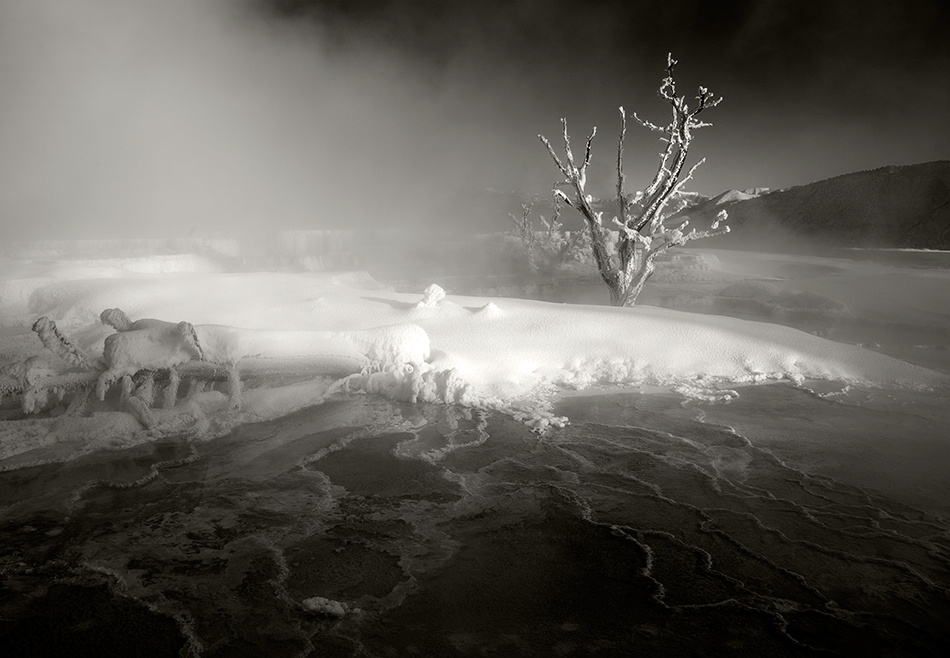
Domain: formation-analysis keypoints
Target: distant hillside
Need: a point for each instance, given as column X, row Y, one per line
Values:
column 906, row 206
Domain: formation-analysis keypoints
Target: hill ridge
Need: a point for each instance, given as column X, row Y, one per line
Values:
column 889, row 206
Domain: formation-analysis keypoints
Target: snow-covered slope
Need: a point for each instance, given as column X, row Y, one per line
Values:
column 499, row 350
column 732, row 196
column 272, row 343
column 665, row 343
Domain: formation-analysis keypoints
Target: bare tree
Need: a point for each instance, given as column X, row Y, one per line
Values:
column 550, row 246
column 641, row 231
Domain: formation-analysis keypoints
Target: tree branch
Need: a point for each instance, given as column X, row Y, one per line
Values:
column 621, row 196
column 557, row 160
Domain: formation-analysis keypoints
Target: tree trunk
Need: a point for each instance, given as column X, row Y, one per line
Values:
column 637, row 281
column 638, row 267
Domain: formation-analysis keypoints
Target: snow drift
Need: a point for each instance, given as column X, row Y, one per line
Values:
column 346, row 331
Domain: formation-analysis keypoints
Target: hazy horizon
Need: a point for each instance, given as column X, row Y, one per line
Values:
column 151, row 118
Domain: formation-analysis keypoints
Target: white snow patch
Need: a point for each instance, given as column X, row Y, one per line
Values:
column 509, row 355
column 490, row 310
column 432, row 296
column 325, row 606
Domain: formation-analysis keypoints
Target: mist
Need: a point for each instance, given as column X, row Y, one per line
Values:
column 170, row 119
column 165, row 119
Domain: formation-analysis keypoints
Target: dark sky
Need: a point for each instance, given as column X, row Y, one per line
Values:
column 162, row 117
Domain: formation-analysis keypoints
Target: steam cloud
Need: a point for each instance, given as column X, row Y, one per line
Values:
column 163, row 117
column 158, row 118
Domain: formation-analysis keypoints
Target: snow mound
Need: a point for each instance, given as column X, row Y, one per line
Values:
column 509, row 355
column 157, row 344
column 432, row 296
column 490, row 310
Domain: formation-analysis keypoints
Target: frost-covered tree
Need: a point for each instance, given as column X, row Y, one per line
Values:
column 549, row 246
column 639, row 231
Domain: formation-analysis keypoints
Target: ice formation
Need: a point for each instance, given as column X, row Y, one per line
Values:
column 325, row 606
column 431, row 297
column 347, row 333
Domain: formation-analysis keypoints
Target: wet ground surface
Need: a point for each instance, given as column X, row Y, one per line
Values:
column 366, row 528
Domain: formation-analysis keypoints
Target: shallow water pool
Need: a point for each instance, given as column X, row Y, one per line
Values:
column 364, row 527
